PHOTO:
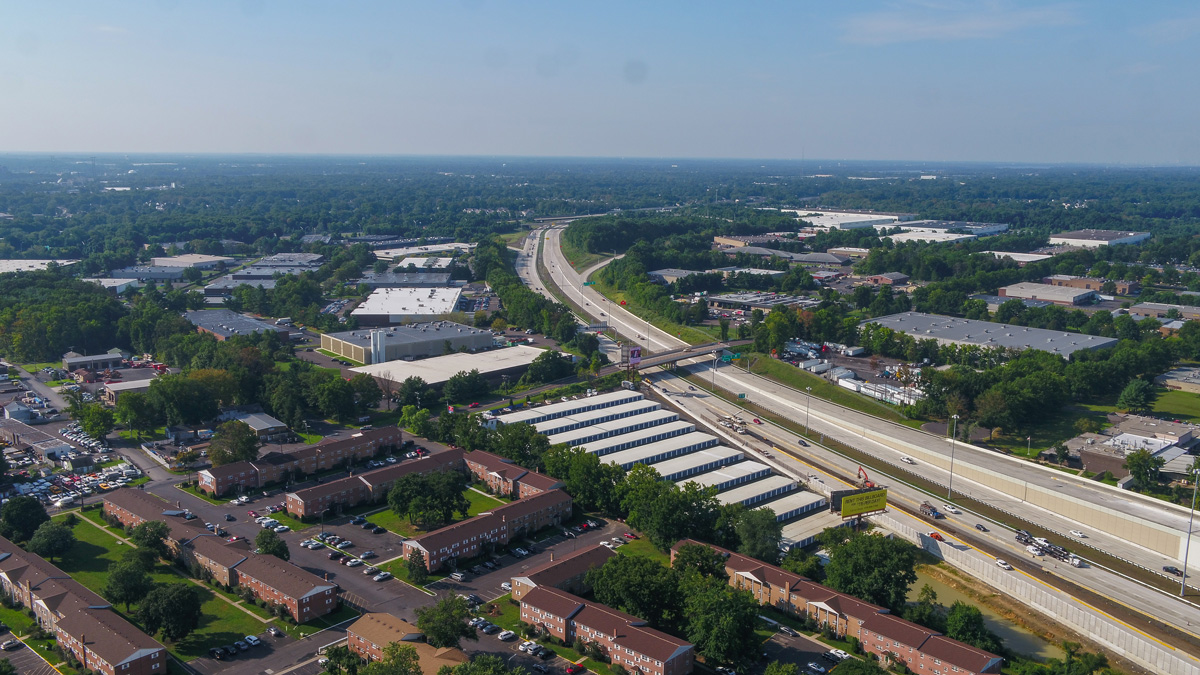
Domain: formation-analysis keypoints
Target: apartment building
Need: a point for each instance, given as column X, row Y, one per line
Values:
column 892, row 639
column 506, row 478
column 305, row 595
column 82, row 622
column 372, row 632
column 568, row 573
column 476, row 536
column 371, row 486
column 276, row 466
column 625, row 639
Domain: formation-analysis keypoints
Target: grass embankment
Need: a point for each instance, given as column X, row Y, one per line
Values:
column 786, row 373
column 579, row 258
column 513, row 239
column 32, row 368
column 693, row 335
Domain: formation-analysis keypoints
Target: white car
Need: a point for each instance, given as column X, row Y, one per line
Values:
column 1003, row 565
column 507, row 635
column 950, row 508
column 907, row 460
column 839, row 653
column 281, row 529
column 1078, row 534
column 507, row 586
column 252, row 640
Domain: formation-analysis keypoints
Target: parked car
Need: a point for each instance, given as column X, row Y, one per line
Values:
column 507, row 586
column 9, row 645
column 367, row 555
column 335, row 555
column 370, row 570
column 574, row 669
column 216, row 653
column 345, row 544
column 382, row 576
column 378, row 530
column 816, row 668
column 629, row 535
column 242, row 646
column 506, row 635
column 491, row 629
column 354, row 562
column 252, row 640
column 787, row 630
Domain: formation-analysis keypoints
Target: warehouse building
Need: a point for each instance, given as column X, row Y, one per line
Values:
column 698, row 462
column 204, row 262
column 670, row 275
column 1060, row 295
column 494, row 364
column 226, row 323
column 1092, row 284
column 587, row 418
column 396, row 279
column 556, row 410
column 424, row 264
column 951, row 330
column 730, row 476
column 148, row 273
column 1097, row 238
column 386, row 306
column 1159, row 310
column 658, row 451
column 750, row 494
column 994, row 301
column 660, row 425
column 930, row 237
column 411, row 341
column 754, row 300
column 977, row 229
column 1022, row 259
column 291, row 260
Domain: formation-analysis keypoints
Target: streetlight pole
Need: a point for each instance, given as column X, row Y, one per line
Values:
column 1188, row 544
column 716, row 356
column 807, row 408
column 954, row 430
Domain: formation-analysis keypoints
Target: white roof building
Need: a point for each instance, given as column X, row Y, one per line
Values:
column 397, row 305
column 389, row 253
column 436, row 370
column 204, row 262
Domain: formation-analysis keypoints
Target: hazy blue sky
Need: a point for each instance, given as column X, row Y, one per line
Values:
column 1002, row 80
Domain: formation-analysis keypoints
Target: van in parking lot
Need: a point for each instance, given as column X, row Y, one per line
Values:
column 458, row 576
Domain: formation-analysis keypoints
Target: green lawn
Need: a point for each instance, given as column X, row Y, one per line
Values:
column 513, row 239
column 689, row 334
column 481, row 503
column 579, row 258
column 786, row 373
column 221, row 623
column 388, row 519
column 37, row 367
column 643, row 547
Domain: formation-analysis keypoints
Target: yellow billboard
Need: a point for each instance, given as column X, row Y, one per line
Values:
column 864, row 502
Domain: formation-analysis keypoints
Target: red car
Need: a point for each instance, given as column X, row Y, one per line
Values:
column 252, row 514
column 630, row 535
column 473, row 405
column 575, row 668
column 937, row 536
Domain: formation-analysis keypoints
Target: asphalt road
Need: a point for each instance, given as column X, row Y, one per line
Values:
column 847, row 426
column 25, row 660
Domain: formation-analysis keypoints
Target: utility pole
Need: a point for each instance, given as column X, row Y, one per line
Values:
column 950, row 488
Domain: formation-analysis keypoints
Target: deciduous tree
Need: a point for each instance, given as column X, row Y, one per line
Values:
column 152, row 536
column 173, row 610
column 20, row 517
column 444, row 623
column 233, row 441
column 51, row 539
column 873, row 568
column 269, row 543
column 127, row 582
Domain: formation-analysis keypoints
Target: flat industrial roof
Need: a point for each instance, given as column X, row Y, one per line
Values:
column 292, row 259
column 639, row 454
column 659, row 419
column 188, row 260
column 591, row 417
column 1049, row 292
column 988, row 334
column 409, row 301
column 931, row 237
column 1098, row 235
column 425, row 263
column 719, row 453
column 413, row 333
column 539, row 413
column 727, row 473
column 1020, row 257
column 422, row 250
column 635, row 437
column 226, row 322
column 798, row 499
column 438, row 369
column 800, row 531
column 741, row 493
column 7, row 266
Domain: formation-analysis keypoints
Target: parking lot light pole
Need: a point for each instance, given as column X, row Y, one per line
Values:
column 1188, row 544
column 953, row 432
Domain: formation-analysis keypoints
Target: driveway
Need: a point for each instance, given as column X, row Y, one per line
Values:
column 26, row 661
column 800, row 650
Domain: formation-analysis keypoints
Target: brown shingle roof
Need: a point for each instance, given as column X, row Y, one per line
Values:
column 434, row 462
column 333, row 487
column 381, row 629
column 555, row 572
column 282, row 576
column 959, row 654
column 109, row 636
column 625, row 630
column 229, row 470
column 552, row 601
column 541, row 481
column 485, row 522
column 140, row 503
column 224, row 554
column 895, row 628
column 489, row 461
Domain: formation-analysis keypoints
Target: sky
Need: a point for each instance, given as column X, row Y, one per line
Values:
column 1094, row 81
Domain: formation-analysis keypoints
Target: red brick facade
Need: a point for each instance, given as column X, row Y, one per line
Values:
column 370, row 486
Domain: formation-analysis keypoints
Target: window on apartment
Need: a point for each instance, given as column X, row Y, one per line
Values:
column 155, row 666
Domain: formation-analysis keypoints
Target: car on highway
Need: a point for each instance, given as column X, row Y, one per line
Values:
column 907, row 460
column 1079, row 534
column 980, row 527
column 1003, row 565
column 937, row 536
column 950, row 508
column 1171, row 569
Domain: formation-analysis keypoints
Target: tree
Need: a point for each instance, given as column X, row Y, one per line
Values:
column 20, row 517
column 51, row 539
column 965, row 623
column 418, row 574
column 172, row 609
column 341, row 660
column 269, row 543
column 445, row 622
column 398, row 659
column 233, row 441
column 759, row 533
column 699, row 559
column 1062, row 453
column 366, row 392
column 872, row 568
column 1136, row 396
column 128, row 581
column 927, row 611
column 135, row 413
column 151, row 536
column 7, row 668
column 799, row 561
column 415, row 421
column 335, row 398
column 182, row 401
column 1144, row 467
column 521, row 443
column 724, row 325
column 638, row 585
column 96, row 420
column 859, row 667
column 777, row 668
column 482, row 664
column 721, row 622
column 590, row 481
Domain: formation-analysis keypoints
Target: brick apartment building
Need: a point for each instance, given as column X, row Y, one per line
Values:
column 506, row 478
column 879, row 632
column 373, row 631
column 566, row 574
column 475, row 536
column 624, row 638
column 82, row 622
column 274, row 467
column 371, row 486
column 305, row 595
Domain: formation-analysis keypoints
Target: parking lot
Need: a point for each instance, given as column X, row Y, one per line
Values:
column 799, row 649
column 24, row 659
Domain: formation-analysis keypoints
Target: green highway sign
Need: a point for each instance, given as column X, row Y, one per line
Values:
column 727, row 358
column 589, row 283
column 737, row 356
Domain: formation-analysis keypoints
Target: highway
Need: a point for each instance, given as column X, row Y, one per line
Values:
column 848, row 427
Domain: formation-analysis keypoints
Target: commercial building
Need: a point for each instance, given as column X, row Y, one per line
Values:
column 1022, row 259
column 801, row 258
column 110, row 360
column 1097, row 238
column 1093, row 284
column 204, row 262
column 625, row 639
column 225, row 323
column 730, row 271
column 1181, row 379
column 567, row 573
column 370, row 486
column 846, row 220
column 310, row 260
column 410, row 341
column 929, row 237
column 424, row 264
column 372, row 632
column 276, row 466
column 82, row 622
column 1160, row 310
column 752, row 300
column 1060, row 295
column 112, row 391
column 670, row 275
column 894, row 640
column 266, row 428
column 386, row 306
column 427, row 249
column 10, row 266
column 223, row 286
column 473, row 537
column 951, row 330
column 850, row 251
column 494, row 364
column 888, row 279
column 117, row 286
column 402, row 279
column 977, row 229
column 994, row 301
column 148, row 273
column 304, row 595
column 24, row 437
